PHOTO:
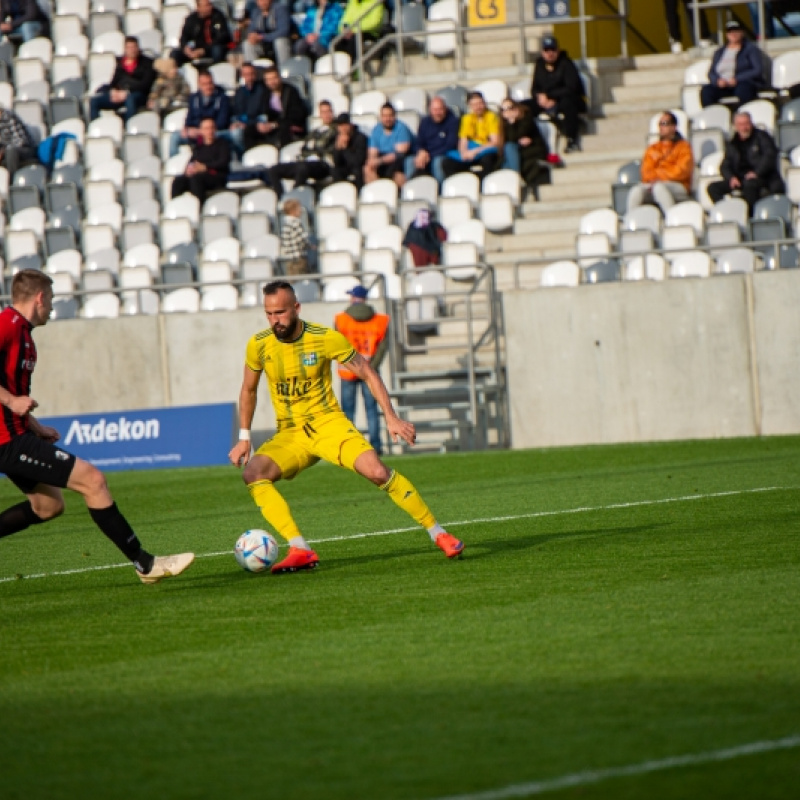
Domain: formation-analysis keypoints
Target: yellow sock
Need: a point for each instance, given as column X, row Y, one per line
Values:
column 402, row 491
column 274, row 508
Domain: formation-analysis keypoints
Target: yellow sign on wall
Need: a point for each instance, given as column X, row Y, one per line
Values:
column 486, row 12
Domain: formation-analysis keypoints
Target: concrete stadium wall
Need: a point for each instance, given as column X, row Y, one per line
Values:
column 683, row 359
column 87, row 366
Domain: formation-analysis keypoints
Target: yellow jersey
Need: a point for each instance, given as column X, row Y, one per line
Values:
column 299, row 372
column 479, row 130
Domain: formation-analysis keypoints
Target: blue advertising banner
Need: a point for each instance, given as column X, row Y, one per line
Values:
column 186, row 436
column 550, row 9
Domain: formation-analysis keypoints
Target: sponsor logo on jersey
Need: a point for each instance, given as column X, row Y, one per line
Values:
column 120, row 430
column 293, row 388
column 309, row 359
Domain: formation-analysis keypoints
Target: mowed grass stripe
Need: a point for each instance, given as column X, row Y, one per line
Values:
column 451, row 524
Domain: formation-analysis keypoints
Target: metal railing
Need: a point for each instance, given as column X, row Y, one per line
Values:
column 396, row 40
column 698, row 6
column 760, row 248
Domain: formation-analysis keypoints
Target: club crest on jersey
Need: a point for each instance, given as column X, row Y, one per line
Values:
column 309, row 359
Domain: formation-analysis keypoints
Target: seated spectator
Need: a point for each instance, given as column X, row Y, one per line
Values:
column 170, row 90
column 736, row 69
column 750, row 166
column 295, row 242
column 209, row 167
column 319, row 26
column 248, row 105
column 16, row 144
column 208, row 102
column 370, row 26
column 316, row 156
column 23, row 20
column 130, row 85
column 389, row 143
column 349, row 152
column 205, row 36
column 524, row 149
column 437, row 134
column 268, row 32
column 557, row 91
column 424, row 239
column 283, row 116
column 667, row 168
column 478, row 141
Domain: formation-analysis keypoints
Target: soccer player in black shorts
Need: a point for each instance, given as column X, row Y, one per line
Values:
column 28, row 453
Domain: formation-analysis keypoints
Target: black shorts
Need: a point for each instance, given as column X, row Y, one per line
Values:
column 28, row 461
column 391, row 169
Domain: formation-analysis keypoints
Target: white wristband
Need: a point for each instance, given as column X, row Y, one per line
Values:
column 244, row 435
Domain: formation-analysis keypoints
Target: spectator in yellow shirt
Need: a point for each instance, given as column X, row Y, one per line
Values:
column 479, row 141
column 667, row 168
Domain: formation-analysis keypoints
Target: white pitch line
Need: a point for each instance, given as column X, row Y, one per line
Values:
column 453, row 524
column 595, row 776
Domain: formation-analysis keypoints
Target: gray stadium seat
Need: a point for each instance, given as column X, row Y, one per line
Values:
column 602, row 271
column 628, row 176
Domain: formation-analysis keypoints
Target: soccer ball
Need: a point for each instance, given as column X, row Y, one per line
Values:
column 256, row 550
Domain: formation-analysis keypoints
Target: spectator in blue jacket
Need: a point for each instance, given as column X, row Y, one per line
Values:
column 209, row 102
column 248, row 104
column 268, row 32
column 437, row 134
column 736, row 69
column 319, row 26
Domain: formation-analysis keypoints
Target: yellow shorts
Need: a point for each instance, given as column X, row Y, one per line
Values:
column 334, row 438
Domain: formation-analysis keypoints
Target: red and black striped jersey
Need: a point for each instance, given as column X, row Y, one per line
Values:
column 18, row 359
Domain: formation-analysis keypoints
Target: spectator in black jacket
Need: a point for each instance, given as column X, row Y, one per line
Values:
column 557, row 90
column 248, row 104
column 209, row 166
column 23, row 20
column 315, row 158
column 205, row 36
column 349, row 152
column 208, row 102
column 283, row 115
column 130, row 85
column 750, row 166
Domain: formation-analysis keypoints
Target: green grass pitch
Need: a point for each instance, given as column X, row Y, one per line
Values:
column 588, row 627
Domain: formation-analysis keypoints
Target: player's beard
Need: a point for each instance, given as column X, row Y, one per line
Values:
column 286, row 334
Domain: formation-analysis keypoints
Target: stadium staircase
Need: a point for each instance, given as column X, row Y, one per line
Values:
column 452, row 385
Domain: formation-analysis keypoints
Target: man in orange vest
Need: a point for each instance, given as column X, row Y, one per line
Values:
column 366, row 331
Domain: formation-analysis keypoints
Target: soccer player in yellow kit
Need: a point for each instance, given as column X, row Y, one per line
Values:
column 296, row 356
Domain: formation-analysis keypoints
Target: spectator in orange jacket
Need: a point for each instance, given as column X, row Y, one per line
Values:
column 667, row 168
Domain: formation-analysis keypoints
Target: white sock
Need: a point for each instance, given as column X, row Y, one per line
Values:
column 434, row 531
column 299, row 541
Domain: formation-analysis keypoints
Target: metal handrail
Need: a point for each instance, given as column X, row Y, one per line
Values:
column 697, row 6
column 396, row 38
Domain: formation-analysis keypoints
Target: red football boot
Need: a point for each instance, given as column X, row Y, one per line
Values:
column 449, row 545
column 296, row 560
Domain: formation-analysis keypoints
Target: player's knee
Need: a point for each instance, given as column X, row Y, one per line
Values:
column 260, row 469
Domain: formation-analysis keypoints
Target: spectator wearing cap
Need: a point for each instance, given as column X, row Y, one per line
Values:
column 389, row 144
column 437, row 134
column 557, row 91
column 667, row 168
column 736, row 69
column 366, row 331
column 130, row 85
column 315, row 159
column 349, row 152
column 205, row 36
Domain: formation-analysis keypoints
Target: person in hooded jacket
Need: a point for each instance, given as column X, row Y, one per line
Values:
column 424, row 239
column 366, row 331
column 557, row 90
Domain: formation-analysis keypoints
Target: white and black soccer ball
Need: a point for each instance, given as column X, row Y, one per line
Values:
column 256, row 550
